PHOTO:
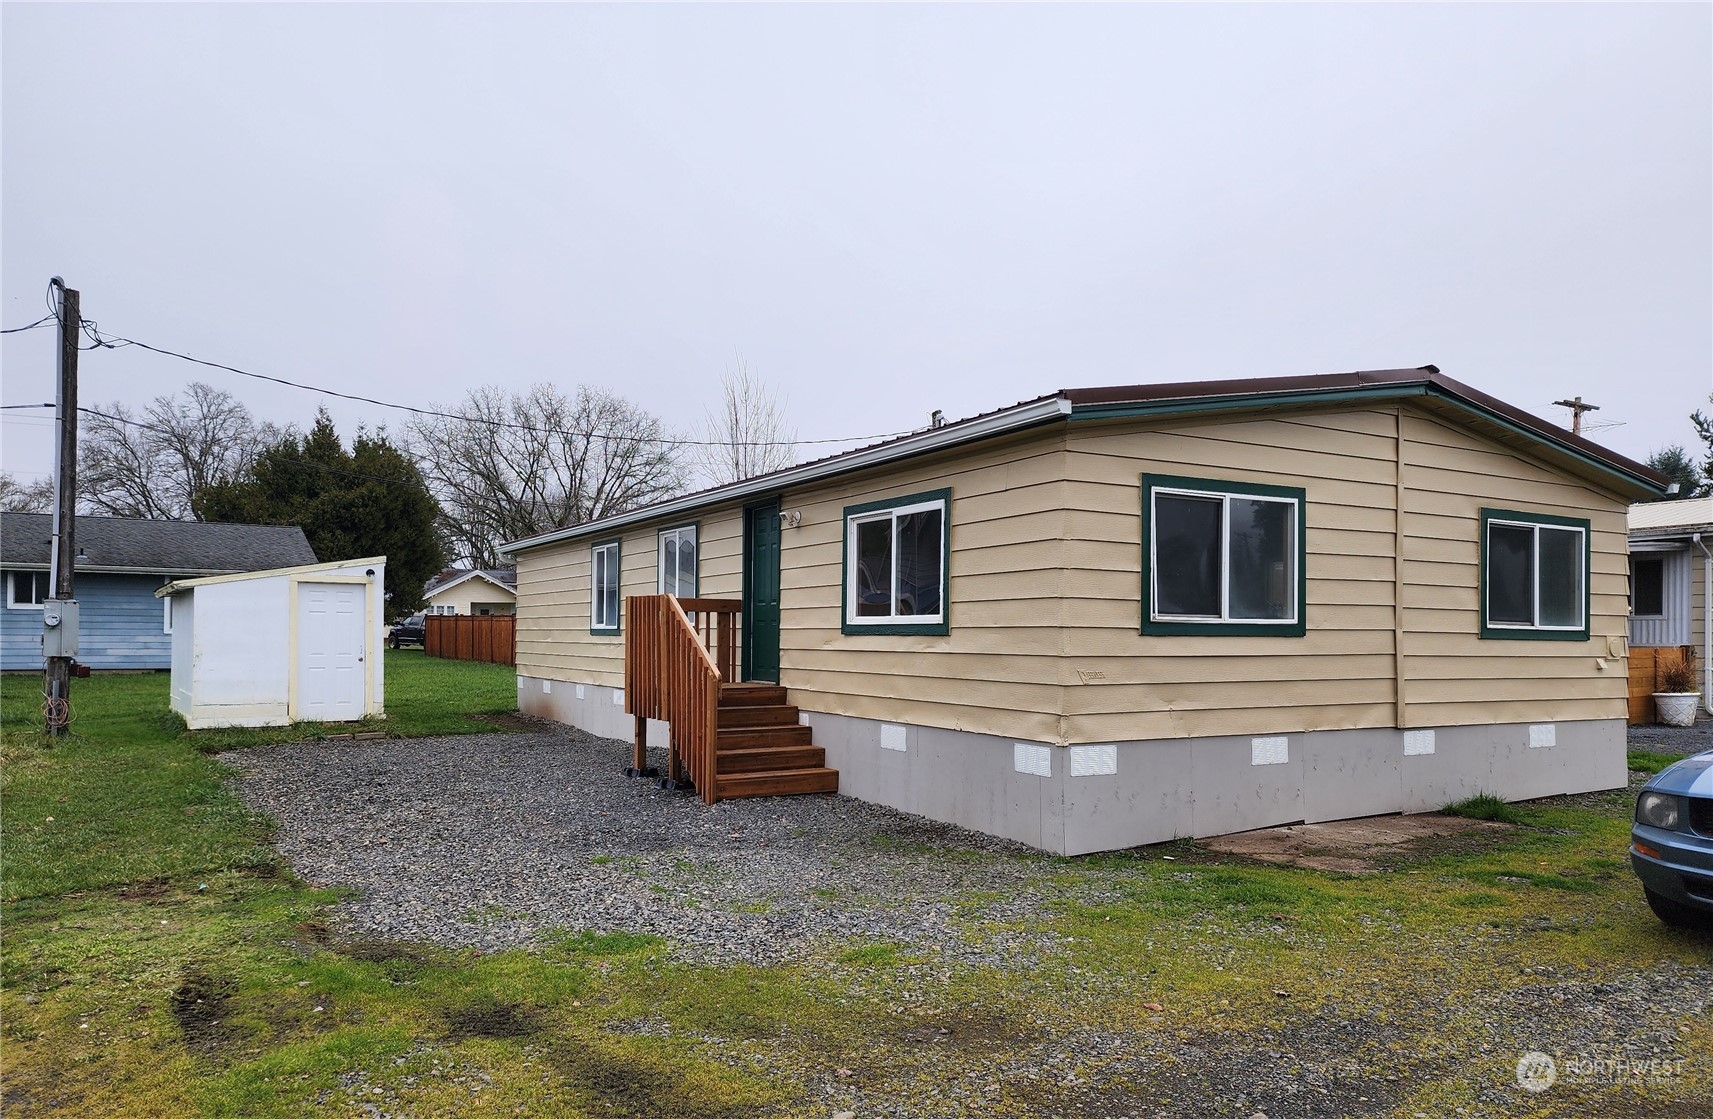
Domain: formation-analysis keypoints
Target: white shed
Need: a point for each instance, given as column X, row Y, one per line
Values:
column 266, row 648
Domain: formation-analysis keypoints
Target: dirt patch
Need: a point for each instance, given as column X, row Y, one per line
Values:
column 152, row 889
column 491, row 1018
column 615, row 1084
column 200, row 1006
column 1360, row 846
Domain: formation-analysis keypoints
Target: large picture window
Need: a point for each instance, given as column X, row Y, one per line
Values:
column 1222, row 557
column 26, row 590
column 604, row 600
column 896, row 557
column 678, row 561
column 1534, row 576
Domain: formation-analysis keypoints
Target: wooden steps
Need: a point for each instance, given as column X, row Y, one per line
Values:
column 761, row 750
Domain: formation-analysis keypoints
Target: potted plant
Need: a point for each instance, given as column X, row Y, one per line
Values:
column 1675, row 701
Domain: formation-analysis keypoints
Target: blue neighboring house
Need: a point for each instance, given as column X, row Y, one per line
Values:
column 121, row 563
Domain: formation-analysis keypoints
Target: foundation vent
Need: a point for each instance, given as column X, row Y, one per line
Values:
column 892, row 737
column 1269, row 751
column 1029, row 758
column 1093, row 761
column 1418, row 742
column 1543, row 736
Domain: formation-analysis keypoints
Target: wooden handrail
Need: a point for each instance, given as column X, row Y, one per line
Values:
column 673, row 672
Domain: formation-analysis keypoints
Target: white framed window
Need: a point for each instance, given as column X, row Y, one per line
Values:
column 26, row 590
column 897, row 553
column 1534, row 576
column 166, row 614
column 1222, row 557
column 605, row 603
column 677, row 556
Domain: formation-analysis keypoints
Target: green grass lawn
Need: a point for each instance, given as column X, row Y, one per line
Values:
column 159, row 961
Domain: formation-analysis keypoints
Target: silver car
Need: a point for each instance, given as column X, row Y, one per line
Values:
column 1671, row 842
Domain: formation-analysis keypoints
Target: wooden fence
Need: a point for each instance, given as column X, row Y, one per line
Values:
column 465, row 637
column 1646, row 663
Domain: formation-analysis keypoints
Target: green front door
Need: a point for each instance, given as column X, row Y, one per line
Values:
column 761, row 592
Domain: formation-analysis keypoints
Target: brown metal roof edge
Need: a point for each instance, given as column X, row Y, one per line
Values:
column 1428, row 376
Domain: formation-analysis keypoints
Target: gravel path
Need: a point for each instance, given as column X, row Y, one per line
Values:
column 483, row 841
column 1662, row 739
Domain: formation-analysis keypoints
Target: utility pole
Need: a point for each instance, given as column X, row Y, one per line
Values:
column 59, row 616
column 1576, row 409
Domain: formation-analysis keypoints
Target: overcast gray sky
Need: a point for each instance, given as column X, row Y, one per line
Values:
column 885, row 209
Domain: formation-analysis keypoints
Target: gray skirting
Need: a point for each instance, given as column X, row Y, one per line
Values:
column 1100, row 797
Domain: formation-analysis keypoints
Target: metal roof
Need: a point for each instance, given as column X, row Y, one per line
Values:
column 1686, row 514
column 1434, row 389
column 133, row 546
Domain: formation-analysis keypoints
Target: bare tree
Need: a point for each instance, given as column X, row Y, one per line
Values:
column 748, row 434
column 513, row 465
column 26, row 497
column 156, row 463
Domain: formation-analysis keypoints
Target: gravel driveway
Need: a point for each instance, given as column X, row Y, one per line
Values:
column 483, row 841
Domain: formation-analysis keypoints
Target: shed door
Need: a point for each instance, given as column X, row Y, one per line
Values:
column 329, row 651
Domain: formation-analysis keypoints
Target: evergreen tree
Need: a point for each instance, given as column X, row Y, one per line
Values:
column 369, row 501
column 1674, row 462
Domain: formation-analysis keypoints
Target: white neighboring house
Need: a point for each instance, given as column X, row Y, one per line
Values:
column 483, row 591
column 266, row 648
column 1671, row 579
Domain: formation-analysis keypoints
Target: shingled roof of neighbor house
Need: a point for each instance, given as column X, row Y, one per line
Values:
column 127, row 545
column 1426, row 386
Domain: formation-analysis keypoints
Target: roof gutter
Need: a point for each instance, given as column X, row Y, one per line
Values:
column 925, row 442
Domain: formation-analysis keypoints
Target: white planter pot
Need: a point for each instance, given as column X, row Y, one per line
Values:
column 1676, row 709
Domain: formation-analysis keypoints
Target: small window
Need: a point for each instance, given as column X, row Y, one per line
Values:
column 1534, row 576
column 604, row 600
column 1647, row 586
column 166, row 614
column 26, row 590
column 1222, row 558
column 677, row 554
column 896, row 557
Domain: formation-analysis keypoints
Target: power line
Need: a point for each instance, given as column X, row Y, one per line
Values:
column 43, row 321
column 114, row 341
column 9, row 407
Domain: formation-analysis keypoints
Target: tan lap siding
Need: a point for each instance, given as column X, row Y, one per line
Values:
column 1454, row 677
column 997, row 671
column 1123, row 685
column 553, row 638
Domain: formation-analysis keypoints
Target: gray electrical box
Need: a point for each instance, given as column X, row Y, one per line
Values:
column 59, row 627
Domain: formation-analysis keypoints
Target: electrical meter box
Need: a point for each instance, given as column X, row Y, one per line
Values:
column 59, row 627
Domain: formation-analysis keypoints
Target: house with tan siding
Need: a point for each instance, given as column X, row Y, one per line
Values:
column 1115, row 616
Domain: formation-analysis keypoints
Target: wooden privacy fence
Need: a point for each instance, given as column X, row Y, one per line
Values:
column 464, row 637
column 674, row 673
column 1646, row 664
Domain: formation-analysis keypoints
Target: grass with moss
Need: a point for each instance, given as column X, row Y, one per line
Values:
column 159, row 961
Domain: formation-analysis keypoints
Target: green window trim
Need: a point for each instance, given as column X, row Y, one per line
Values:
column 939, row 625
column 1178, row 626
column 1505, row 631
column 695, row 529
column 617, row 568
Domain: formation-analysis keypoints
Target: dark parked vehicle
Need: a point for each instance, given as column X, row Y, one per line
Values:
column 1671, row 842
column 407, row 631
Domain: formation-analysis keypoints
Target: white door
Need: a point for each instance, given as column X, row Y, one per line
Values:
column 329, row 651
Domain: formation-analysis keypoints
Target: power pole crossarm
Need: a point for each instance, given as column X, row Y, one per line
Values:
column 1576, row 409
